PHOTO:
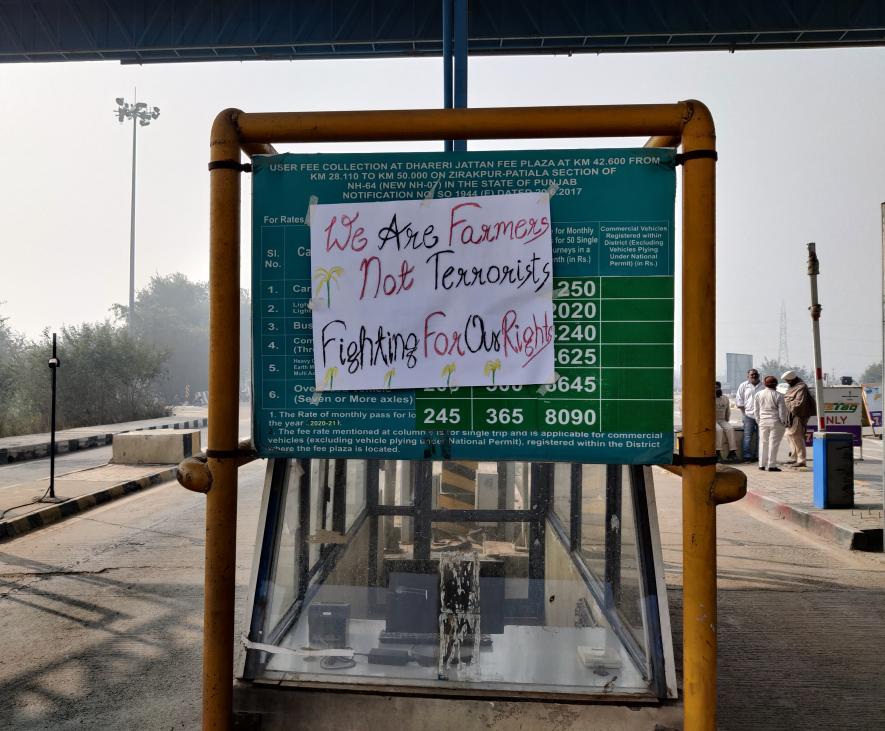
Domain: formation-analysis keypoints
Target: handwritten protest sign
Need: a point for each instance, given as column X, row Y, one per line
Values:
column 432, row 293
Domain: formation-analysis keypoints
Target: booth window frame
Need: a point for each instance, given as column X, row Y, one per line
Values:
column 650, row 659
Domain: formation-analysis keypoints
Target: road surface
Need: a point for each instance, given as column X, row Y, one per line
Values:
column 801, row 622
column 100, row 617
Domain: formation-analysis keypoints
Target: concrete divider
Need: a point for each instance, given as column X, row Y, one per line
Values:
column 36, row 446
column 159, row 446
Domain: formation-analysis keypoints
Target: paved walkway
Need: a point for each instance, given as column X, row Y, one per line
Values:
column 22, row 511
column 35, row 446
column 789, row 495
column 25, row 506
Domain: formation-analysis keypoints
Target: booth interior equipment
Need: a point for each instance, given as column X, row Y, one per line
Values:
column 535, row 582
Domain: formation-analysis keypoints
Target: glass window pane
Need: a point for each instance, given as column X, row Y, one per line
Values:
column 396, row 482
column 284, row 572
column 356, row 490
column 562, row 494
column 466, row 485
column 629, row 597
column 396, row 536
column 321, row 479
column 385, row 596
column 593, row 494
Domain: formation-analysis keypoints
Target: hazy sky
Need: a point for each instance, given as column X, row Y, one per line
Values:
column 801, row 159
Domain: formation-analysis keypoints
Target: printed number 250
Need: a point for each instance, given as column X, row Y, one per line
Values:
column 442, row 416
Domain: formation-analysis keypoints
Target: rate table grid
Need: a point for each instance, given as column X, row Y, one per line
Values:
column 590, row 393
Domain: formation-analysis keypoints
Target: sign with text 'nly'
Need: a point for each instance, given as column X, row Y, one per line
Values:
column 427, row 293
column 843, row 412
column 609, row 217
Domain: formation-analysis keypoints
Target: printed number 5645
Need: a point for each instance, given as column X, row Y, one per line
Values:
column 442, row 416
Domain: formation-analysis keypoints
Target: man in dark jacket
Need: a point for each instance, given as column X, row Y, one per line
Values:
column 801, row 406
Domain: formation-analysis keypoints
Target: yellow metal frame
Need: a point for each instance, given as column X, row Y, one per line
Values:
column 688, row 123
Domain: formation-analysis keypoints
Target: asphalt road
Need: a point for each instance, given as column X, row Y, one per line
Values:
column 801, row 622
column 100, row 617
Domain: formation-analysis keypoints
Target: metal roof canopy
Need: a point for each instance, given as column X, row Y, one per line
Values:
column 137, row 31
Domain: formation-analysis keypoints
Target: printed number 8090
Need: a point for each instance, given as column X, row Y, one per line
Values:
column 570, row 417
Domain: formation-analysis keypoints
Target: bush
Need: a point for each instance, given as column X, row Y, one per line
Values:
column 106, row 376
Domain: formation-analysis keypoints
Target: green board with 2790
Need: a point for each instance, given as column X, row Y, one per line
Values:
column 612, row 397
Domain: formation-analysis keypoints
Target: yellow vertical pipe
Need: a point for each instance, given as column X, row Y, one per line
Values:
column 699, row 528
column 224, row 366
column 698, row 419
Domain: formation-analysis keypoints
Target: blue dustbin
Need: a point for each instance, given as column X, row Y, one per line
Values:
column 833, row 469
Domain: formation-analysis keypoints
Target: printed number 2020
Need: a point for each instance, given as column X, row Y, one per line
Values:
column 442, row 416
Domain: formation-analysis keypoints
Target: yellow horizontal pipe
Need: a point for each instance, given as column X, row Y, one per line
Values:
column 193, row 473
column 729, row 484
column 480, row 123
column 259, row 148
column 663, row 141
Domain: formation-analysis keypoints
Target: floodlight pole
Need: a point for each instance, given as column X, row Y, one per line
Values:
column 142, row 115
column 132, row 230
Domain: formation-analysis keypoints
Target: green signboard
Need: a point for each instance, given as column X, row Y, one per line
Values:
column 612, row 232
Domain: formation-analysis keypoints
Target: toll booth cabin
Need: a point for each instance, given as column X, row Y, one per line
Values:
column 474, row 579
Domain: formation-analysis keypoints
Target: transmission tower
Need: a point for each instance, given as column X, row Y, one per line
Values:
column 783, row 355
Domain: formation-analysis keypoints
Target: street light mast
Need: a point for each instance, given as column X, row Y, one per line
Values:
column 141, row 116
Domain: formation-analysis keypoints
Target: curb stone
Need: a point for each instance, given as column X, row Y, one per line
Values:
column 845, row 536
column 53, row 513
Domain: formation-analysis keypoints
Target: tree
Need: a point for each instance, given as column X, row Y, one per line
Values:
column 771, row 367
column 11, row 344
column 172, row 314
column 106, row 376
column 873, row 373
column 109, row 376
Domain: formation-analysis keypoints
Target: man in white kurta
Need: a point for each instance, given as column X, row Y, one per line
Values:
column 771, row 415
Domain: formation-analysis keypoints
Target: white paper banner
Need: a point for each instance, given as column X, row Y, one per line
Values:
column 432, row 293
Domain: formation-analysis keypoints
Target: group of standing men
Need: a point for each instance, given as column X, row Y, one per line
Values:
column 769, row 414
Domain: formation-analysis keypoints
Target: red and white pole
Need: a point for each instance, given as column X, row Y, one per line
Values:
column 813, row 271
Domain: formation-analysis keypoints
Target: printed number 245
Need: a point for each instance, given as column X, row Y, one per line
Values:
column 442, row 416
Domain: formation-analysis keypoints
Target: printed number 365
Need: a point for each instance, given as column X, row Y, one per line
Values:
column 504, row 416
